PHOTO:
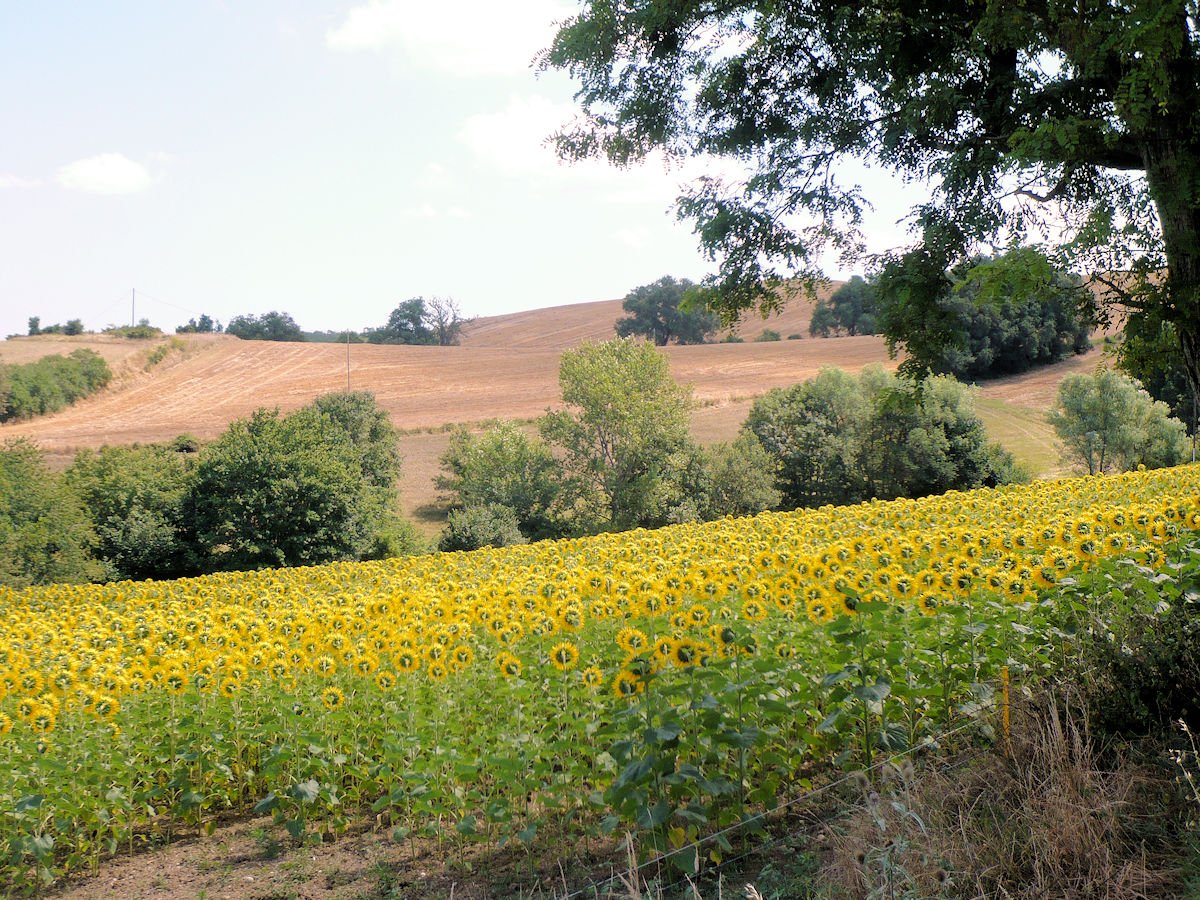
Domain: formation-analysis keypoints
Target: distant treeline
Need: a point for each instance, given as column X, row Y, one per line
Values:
column 436, row 321
column 50, row 384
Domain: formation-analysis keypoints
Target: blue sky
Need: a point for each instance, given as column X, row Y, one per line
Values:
column 328, row 159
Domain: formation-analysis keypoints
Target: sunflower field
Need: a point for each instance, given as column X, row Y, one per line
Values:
column 671, row 681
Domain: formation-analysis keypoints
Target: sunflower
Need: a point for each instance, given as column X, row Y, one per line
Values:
column 564, row 656
column 385, row 680
column 592, row 678
column 332, row 698
column 685, row 653
column 43, row 719
column 509, row 665
column 627, row 685
column 632, row 640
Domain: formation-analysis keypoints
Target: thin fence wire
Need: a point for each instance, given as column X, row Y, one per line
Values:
column 596, row 888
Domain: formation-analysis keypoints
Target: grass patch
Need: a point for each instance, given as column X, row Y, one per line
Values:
column 1024, row 432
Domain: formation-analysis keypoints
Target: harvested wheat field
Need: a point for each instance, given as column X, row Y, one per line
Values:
column 505, row 368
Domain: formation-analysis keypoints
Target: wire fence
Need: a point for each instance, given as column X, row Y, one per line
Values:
column 633, row 876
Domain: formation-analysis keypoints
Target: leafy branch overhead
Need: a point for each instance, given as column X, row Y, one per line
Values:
column 1017, row 117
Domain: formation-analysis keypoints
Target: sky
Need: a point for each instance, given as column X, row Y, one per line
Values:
column 327, row 159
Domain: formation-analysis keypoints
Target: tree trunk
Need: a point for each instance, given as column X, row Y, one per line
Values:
column 1173, row 177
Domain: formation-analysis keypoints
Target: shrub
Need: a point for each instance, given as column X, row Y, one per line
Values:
column 290, row 491
column 50, row 384
column 476, row 527
column 134, row 497
column 505, row 467
column 44, row 535
column 767, row 335
column 841, row 439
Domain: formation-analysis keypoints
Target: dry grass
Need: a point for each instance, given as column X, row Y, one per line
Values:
column 1047, row 819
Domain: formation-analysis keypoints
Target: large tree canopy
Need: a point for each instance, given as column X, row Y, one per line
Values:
column 1076, row 114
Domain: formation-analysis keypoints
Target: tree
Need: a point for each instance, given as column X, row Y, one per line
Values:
column 659, row 313
column 1107, row 422
column 134, row 497
column 204, row 325
column 271, row 326
column 508, row 468
column 625, row 425
column 811, row 430
column 44, row 535
column 738, row 479
column 407, row 324
column 35, row 325
column 1149, row 352
column 849, row 310
column 841, row 439
column 286, row 491
column 1015, row 115
column 444, row 320
column 996, row 316
column 369, row 429
column 926, row 438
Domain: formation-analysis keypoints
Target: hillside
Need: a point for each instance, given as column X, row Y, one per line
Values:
column 506, row 368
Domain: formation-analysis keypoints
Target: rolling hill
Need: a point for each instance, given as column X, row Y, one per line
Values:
column 505, row 368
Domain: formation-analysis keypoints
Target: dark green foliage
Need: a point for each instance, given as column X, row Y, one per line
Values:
column 369, row 429
column 1150, row 675
column 923, row 440
column 811, row 430
column 407, row 324
column 271, row 326
column 768, row 335
column 995, row 317
column 659, row 313
column 143, row 330
column 185, row 443
column 44, row 534
column 1149, row 352
column 72, row 328
column 841, row 439
column 506, row 467
column 295, row 490
column 1017, row 117
column 204, row 325
column 50, row 384
column 1143, row 669
column 134, row 497
column 850, row 310
column 475, row 527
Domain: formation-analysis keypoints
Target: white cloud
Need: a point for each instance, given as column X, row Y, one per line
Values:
column 16, row 181
column 514, row 142
column 469, row 37
column 108, row 173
